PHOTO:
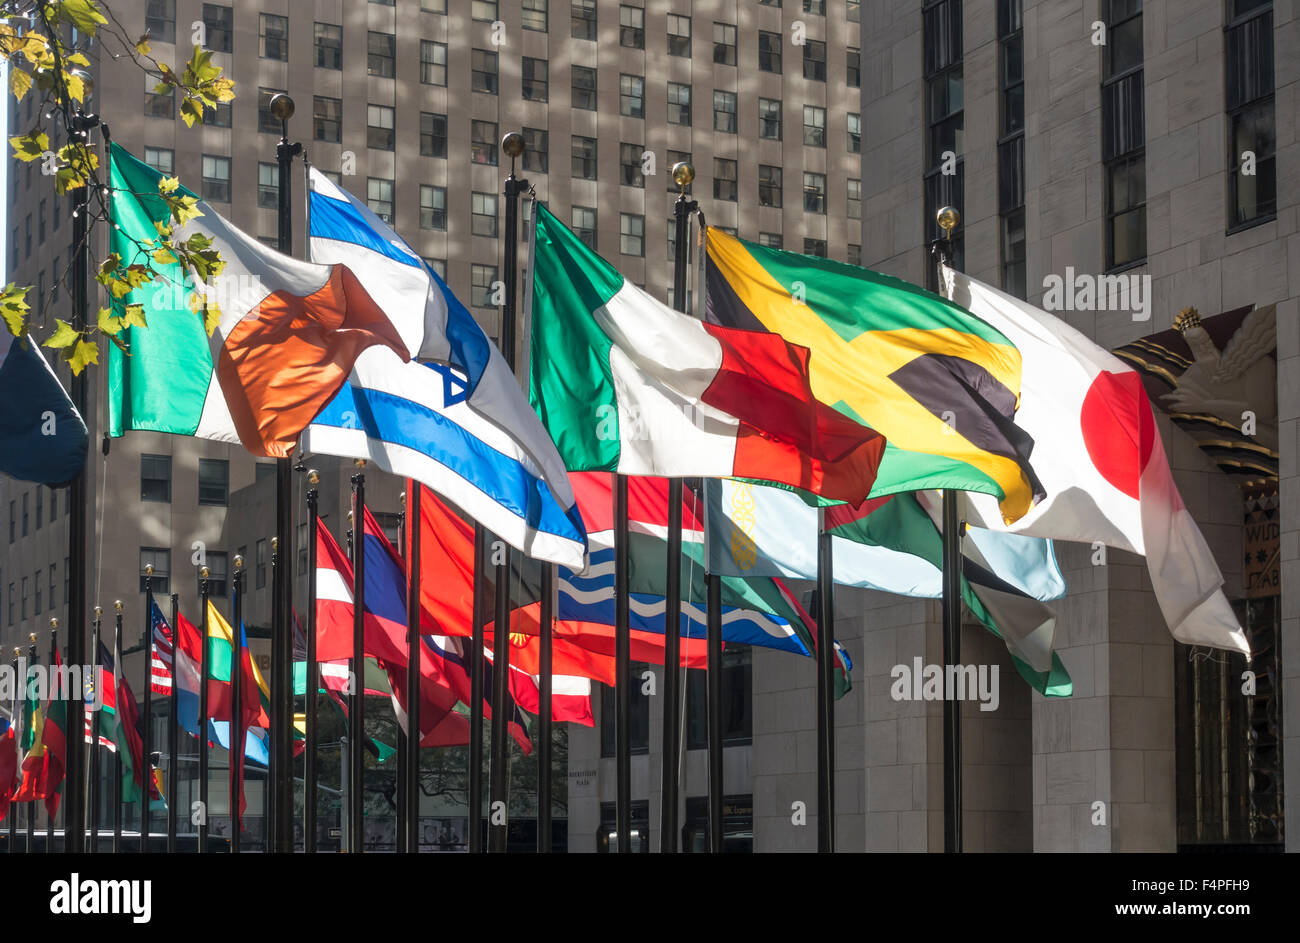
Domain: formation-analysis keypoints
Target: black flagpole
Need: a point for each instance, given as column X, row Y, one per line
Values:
column 173, row 736
column 94, row 736
column 948, row 218
column 545, row 709
column 622, row 670
column 683, row 175
column 825, row 654
column 54, row 649
column 356, row 716
column 312, row 672
column 117, row 754
column 148, row 708
column 236, row 733
column 20, row 688
column 499, row 773
column 713, row 590
column 476, row 692
column 409, row 794
column 204, row 669
column 281, row 831
column 31, row 804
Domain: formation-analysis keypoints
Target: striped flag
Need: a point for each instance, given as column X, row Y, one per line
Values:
column 460, row 425
column 160, row 660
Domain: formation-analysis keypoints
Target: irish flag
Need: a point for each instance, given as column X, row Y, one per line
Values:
column 625, row 384
column 288, row 336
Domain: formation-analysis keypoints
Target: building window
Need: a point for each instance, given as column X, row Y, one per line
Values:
column 484, row 10
column 583, row 88
column 259, row 578
column 483, row 65
column 222, row 115
column 437, row 266
column 814, row 192
column 814, row 60
column 854, row 198
column 40, row 507
column 54, row 505
column 161, row 559
column 433, row 135
column 483, row 220
column 327, row 118
column 1011, row 146
column 216, row 179
column 631, row 234
column 160, row 20
column 381, row 54
column 814, row 126
column 155, row 105
column 584, row 225
column 379, row 127
column 639, row 813
column 724, row 43
column 942, row 71
column 1252, row 122
column 582, row 19
column 218, row 23
column 769, row 119
column 483, row 142
column 855, row 133
column 218, row 564
column 724, row 112
column 815, row 247
column 853, row 68
column 214, row 482
column 26, row 591
column 536, row 150
column 769, row 186
column 629, row 165
column 770, row 239
column 737, row 700
column 434, row 6
column 631, row 27
column 433, row 207
column 679, row 103
column 639, row 720
column 534, row 15
column 769, row 52
column 536, row 84
column 273, row 36
column 266, row 121
column 53, row 586
column 584, row 157
column 329, row 46
column 724, row 180
column 482, row 278
column 631, row 96
column 379, row 197
column 268, row 186
column 36, row 580
column 156, row 478
column 433, row 63
column 12, row 598
column 815, row 7
column 40, row 226
column 679, row 35
column 1124, row 134
column 13, row 520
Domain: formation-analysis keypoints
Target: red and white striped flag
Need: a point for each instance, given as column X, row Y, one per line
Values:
column 160, row 664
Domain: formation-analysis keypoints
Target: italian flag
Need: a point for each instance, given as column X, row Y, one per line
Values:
column 288, row 335
column 625, row 384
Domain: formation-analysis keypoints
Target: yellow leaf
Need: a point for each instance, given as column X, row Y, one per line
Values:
column 65, row 335
column 76, row 87
column 163, row 256
column 19, row 82
column 142, row 47
column 76, row 58
column 84, row 354
column 109, row 323
column 30, row 147
column 168, row 184
column 134, row 316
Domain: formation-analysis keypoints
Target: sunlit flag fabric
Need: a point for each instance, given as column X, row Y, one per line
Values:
column 42, row 436
column 288, row 335
column 1099, row 454
column 460, row 424
column 8, row 765
column 939, row 384
column 625, row 384
column 160, row 660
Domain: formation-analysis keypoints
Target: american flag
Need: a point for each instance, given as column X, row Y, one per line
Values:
column 160, row 672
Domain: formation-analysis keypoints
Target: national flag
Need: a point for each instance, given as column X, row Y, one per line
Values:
column 254, row 693
column 160, row 656
column 125, row 725
column 32, row 746
column 939, row 384
column 1101, row 459
column 459, row 424
column 288, row 335
column 55, row 735
column 440, row 724
column 42, row 436
column 8, row 765
column 186, row 667
column 625, row 384
column 101, row 703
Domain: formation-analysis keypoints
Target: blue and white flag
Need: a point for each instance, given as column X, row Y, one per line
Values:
column 460, row 424
column 42, row 436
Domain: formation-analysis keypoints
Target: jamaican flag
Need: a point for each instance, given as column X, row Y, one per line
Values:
column 938, row 383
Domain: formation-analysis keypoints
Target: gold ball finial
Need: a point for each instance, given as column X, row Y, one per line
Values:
column 18, row 652
column 349, row 517
column 239, row 561
column 54, row 622
column 402, row 499
column 359, row 462
column 683, row 174
column 948, row 218
column 99, row 611
column 148, row 569
column 281, row 106
column 117, row 605
column 31, row 637
column 313, row 476
column 513, row 144
column 275, row 544
column 204, row 572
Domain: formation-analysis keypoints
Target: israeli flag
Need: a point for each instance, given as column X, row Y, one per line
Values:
column 42, row 436
column 460, row 423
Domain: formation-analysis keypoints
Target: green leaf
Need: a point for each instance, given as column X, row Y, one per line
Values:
column 30, row 147
column 134, row 316
column 163, row 256
column 83, row 14
column 14, row 308
column 65, row 335
column 83, row 354
column 76, row 58
column 110, row 323
column 19, row 81
column 192, row 112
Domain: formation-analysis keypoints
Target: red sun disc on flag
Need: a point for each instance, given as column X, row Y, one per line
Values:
column 1118, row 429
